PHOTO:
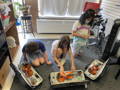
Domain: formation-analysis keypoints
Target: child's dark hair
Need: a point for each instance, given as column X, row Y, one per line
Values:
column 90, row 13
column 64, row 40
column 31, row 47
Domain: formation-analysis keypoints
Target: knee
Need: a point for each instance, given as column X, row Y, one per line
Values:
column 41, row 60
column 36, row 64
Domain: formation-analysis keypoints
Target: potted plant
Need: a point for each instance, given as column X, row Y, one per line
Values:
column 20, row 9
column 23, row 8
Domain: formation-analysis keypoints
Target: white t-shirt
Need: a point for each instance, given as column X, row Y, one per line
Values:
column 84, row 29
column 54, row 45
column 75, row 25
column 80, row 29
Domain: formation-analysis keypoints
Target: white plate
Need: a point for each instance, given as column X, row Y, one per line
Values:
column 95, row 62
column 54, row 80
column 36, row 78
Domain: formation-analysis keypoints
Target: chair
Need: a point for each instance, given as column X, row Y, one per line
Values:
column 91, row 5
column 27, row 24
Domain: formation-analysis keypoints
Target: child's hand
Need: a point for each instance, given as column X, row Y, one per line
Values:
column 85, row 36
column 62, row 74
column 49, row 62
column 73, row 68
column 61, row 68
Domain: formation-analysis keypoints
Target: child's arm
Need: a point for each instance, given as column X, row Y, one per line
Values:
column 55, row 57
column 46, row 58
column 72, row 60
column 57, row 60
column 74, row 33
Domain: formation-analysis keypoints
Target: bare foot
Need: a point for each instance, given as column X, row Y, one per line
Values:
column 78, row 55
column 41, row 60
column 48, row 62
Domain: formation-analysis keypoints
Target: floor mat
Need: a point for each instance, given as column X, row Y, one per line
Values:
column 90, row 53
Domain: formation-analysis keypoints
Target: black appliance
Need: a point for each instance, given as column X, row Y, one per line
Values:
column 112, row 44
column 111, row 40
column 4, row 52
column 115, row 48
column 2, row 35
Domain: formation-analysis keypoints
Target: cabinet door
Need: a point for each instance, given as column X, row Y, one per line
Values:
column 4, row 71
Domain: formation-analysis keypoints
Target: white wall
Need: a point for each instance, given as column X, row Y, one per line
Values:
column 93, row 0
column 111, row 10
column 54, row 26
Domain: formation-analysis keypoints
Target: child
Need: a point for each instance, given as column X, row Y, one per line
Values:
column 35, row 53
column 81, row 32
column 59, row 50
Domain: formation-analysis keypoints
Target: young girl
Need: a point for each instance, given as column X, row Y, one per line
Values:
column 81, row 32
column 59, row 50
column 35, row 53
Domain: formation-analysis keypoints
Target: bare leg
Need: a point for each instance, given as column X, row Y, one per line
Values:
column 55, row 56
column 36, row 62
column 46, row 58
column 76, row 49
column 41, row 60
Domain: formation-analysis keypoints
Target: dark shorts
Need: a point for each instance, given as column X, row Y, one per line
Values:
column 35, row 55
column 40, row 43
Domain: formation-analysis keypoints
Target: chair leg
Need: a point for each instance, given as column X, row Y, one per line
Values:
column 32, row 29
column 117, row 75
column 23, row 26
column 26, row 27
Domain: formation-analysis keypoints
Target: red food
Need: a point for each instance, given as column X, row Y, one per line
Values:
column 61, row 79
column 68, row 73
column 27, row 70
column 64, row 76
column 97, row 68
column 69, row 77
column 26, row 67
column 29, row 73
column 93, row 70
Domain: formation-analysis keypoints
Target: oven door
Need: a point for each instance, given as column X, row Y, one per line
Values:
column 2, row 34
column 2, row 39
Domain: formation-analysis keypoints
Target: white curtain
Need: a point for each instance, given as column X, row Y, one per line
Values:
column 75, row 7
column 46, row 7
column 60, row 7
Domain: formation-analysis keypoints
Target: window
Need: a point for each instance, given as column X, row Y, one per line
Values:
column 62, row 8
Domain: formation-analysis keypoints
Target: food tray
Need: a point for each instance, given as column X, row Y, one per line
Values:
column 78, row 79
column 101, row 67
column 33, row 80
